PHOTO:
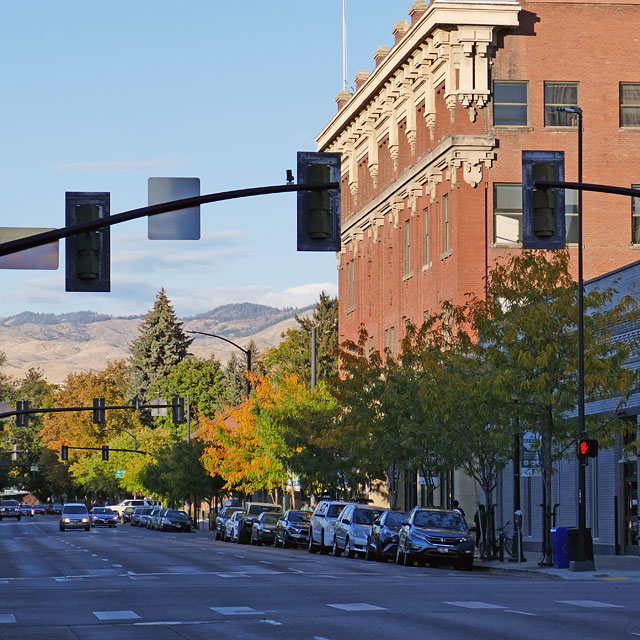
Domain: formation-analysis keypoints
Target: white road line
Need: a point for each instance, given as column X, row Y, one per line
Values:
column 116, row 615
column 265, row 562
column 236, row 611
column 591, row 604
column 474, row 604
column 357, row 606
column 273, row 622
column 522, row 613
column 117, row 565
column 7, row 617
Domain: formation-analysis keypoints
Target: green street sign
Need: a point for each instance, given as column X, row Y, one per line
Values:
column 120, row 473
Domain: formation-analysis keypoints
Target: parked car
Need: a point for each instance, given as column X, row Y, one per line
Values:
column 127, row 514
column 103, row 517
column 436, row 536
column 150, row 520
column 383, row 537
column 352, row 529
column 225, row 513
column 231, row 527
column 292, row 528
column 55, row 508
column 155, row 519
column 130, row 502
column 27, row 510
column 39, row 509
column 137, row 516
column 10, row 509
column 321, row 525
column 264, row 528
column 75, row 515
column 175, row 520
column 252, row 511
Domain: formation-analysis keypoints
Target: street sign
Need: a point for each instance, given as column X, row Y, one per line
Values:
column 120, row 473
column 43, row 257
column 530, row 458
column 162, row 411
column 183, row 224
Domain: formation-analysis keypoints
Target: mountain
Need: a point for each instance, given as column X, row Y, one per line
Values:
column 84, row 340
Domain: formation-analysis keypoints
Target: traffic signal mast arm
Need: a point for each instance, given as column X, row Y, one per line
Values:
column 133, row 407
column 37, row 240
column 585, row 186
column 110, row 449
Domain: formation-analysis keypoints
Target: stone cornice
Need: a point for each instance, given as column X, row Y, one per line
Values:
column 469, row 26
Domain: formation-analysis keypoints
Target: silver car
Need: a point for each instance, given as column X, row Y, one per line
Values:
column 231, row 527
column 322, row 523
column 352, row 529
column 75, row 515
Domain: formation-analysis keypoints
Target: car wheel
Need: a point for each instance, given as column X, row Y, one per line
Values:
column 421, row 563
column 398, row 556
column 407, row 559
column 335, row 550
column 19, row 518
column 323, row 550
column 275, row 541
column 466, row 565
column 285, row 541
column 253, row 539
column 61, row 528
column 367, row 554
column 217, row 535
column 312, row 546
column 87, row 528
column 243, row 538
column 348, row 549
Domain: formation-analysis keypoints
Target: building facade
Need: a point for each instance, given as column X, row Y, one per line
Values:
column 432, row 139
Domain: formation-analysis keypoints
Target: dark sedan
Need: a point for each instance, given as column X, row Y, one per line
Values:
column 263, row 529
column 436, row 536
column 292, row 529
column 174, row 520
column 383, row 537
column 103, row 517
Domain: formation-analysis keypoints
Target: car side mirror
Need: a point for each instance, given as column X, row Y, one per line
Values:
column 405, row 523
column 347, row 521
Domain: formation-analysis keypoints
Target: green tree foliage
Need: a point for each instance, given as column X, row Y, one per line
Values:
column 235, row 379
column 160, row 345
column 293, row 355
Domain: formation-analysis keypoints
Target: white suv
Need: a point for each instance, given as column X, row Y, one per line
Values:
column 134, row 502
column 321, row 526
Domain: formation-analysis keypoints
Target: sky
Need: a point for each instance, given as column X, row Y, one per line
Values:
column 100, row 95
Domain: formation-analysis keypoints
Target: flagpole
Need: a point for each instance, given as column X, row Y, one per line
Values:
column 344, row 45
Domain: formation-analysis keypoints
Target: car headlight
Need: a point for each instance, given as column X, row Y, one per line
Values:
column 465, row 539
column 85, row 519
column 360, row 531
column 419, row 535
column 65, row 520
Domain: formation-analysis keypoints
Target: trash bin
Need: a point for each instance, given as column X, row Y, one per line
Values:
column 572, row 544
column 560, row 547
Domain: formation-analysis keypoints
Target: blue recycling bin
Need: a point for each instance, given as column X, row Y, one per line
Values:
column 560, row 547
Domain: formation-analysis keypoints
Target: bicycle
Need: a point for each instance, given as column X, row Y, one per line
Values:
column 501, row 543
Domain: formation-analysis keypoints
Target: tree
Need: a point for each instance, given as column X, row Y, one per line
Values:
column 235, row 378
column 160, row 345
column 526, row 328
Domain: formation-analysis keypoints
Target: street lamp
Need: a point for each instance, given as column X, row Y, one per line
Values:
column 247, row 353
column 582, row 563
column 133, row 435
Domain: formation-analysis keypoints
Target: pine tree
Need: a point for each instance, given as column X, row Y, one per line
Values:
column 160, row 346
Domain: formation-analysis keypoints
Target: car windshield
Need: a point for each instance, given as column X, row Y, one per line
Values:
column 257, row 509
column 75, row 508
column 177, row 515
column 102, row 510
column 10, row 503
column 395, row 519
column 334, row 510
column 366, row 516
column 299, row 516
column 439, row 520
column 270, row 518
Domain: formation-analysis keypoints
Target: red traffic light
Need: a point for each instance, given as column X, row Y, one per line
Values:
column 587, row 448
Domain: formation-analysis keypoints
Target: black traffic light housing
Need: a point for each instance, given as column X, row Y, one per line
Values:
column 99, row 415
column 177, row 410
column 318, row 211
column 64, row 452
column 22, row 419
column 587, row 448
column 87, row 255
column 105, row 452
column 543, row 210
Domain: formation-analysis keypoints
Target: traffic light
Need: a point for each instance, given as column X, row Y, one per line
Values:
column 587, row 448
column 99, row 416
column 318, row 211
column 177, row 410
column 105, row 452
column 22, row 419
column 64, row 452
column 87, row 254
column 543, row 212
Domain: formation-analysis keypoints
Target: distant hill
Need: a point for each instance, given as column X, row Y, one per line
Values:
column 85, row 340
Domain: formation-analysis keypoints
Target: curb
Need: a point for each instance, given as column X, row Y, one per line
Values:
column 519, row 573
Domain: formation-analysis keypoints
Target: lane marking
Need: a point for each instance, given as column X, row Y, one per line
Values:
column 522, row 613
column 236, row 611
column 117, row 565
column 474, row 604
column 126, row 614
column 273, row 622
column 7, row 617
column 588, row 604
column 357, row 606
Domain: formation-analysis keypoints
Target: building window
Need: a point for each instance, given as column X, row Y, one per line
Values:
column 507, row 213
column 635, row 217
column 559, row 94
column 445, row 224
column 350, row 285
column 510, row 104
column 407, row 248
column 426, row 237
column 386, row 342
column 630, row 104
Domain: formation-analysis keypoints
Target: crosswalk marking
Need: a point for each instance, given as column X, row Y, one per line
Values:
column 116, row 615
column 357, row 606
column 475, row 604
column 588, row 604
column 7, row 617
column 236, row 611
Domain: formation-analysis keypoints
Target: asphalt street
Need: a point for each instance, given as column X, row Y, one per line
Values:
column 133, row 583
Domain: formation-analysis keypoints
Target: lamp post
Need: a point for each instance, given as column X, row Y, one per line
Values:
column 581, row 564
column 247, row 353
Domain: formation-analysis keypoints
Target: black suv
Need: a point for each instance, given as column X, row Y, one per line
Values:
column 383, row 537
column 436, row 536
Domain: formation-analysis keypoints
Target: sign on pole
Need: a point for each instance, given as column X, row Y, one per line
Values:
column 530, row 454
column 183, row 224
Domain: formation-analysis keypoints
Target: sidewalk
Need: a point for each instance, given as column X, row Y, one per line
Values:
column 608, row 567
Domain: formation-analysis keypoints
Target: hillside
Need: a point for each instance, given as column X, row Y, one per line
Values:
column 81, row 341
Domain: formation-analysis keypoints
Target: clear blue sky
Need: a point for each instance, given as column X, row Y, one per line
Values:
column 99, row 95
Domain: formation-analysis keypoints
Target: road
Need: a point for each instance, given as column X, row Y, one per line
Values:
column 130, row 583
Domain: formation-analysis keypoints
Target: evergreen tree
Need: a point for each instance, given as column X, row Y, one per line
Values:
column 160, row 346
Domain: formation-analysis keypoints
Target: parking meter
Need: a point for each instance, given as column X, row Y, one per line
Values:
column 517, row 520
column 517, row 517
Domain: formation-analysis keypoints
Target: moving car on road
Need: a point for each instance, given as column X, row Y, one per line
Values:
column 292, row 529
column 27, row 510
column 75, row 515
column 352, row 529
column 436, row 536
column 103, row 517
column 10, row 509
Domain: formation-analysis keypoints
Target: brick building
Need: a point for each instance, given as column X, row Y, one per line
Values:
column 431, row 142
